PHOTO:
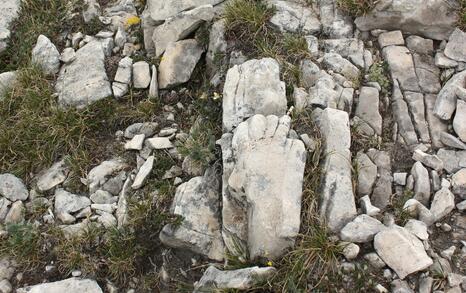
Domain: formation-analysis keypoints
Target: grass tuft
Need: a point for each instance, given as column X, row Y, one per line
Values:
column 462, row 15
column 357, row 7
column 378, row 72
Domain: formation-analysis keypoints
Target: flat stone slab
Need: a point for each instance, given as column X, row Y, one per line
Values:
column 84, row 81
column 8, row 12
column 71, row 285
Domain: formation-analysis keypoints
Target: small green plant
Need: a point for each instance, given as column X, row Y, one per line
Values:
column 401, row 214
column 357, row 7
column 378, row 72
column 462, row 15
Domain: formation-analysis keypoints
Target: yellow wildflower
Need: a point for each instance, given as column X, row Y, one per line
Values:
column 132, row 20
column 270, row 263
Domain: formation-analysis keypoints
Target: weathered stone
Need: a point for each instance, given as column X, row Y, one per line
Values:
column 119, row 89
column 100, row 174
column 351, row 251
column 294, row 17
column 68, row 55
column 459, row 122
column 434, row 19
column 456, row 46
column 325, row 92
column 402, row 117
column 401, row 64
column 368, row 109
column 442, row 204
column 300, row 97
column 401, row 251
column 46, row 56
column 392, row 38
column 178, row 63
column 146, row 128
column 52, row 177
column 417, row 228
column 367, row 206
column 309, row 73
column 458, row 182
column 263, row 176
column 374, row 260
column 362, row 229
column 16, row 213
column 67, row 203
column 417, row 110
column 338, row 64
column 197, row 201
column 12, row 187
column 421, row 183
column 367, row 174
column 71, row 285
column 452, row 141
column 160, row 143
column 335, row 23
column 436, row 125
column 254, row 87
column 383, row 187
column 7, row 82
column 241, row 279
column 180, row 26
column 349, row 48
column 77, row 87
column 160, row 11
column 431, row 161
column 144, row 171
column 445, row 105
column 8, row 13
column 124, row 71
column 141, row 75
column 452, row 160
column 4, row 207
column 399, row 286
column 338, row 205
column 154, row 84
column 400, row 178
column 444, row 62
column 102, row 197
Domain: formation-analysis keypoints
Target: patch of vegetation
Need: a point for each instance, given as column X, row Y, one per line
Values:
column 462, row 15
column 357, row 7
column 247, row 24
column 401, row 214
column 378, row 72
column 361, row 141
column 36, row 131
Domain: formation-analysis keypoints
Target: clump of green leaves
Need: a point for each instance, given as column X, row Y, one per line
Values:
column 378, row 72
column 357, row 7
column 401, row 214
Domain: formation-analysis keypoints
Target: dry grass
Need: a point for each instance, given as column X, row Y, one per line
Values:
column 357, row 7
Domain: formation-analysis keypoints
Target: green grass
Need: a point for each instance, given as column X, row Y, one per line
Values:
column 378, row 72
column 35, row 132
column 401, row 214
column 356, row 7
column 462, row 15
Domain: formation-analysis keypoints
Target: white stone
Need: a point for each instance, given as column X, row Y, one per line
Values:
column 459, row 122
column 367, row 207
column 154, row 84
column 421, row 183
column 136, row 142
column 455, row 48
column 144, row 171
column 12, row 187
column 71, row 285
column 100, row 174
column 391, row 38
column 141, row 75
column 417, row 228
column 362, row 229
column 160, row 143
column 294, row 17
column 46, row 55
column 350, row 251
column 442, row 204
column 400, row 178
column 124, row 71
column 52, row 177
column 16, row 213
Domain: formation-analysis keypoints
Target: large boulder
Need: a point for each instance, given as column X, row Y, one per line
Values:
column 8, row 12
column 263, row 177
column 198, row 203
column 434, row 19
column 71, row 285
column 253, row 87
column 79, row 88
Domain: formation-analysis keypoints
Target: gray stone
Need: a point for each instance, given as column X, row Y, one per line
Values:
column 67, row 203
column 294, row 17
column 107, row 220
column 263, row 177
column 12, row 187
column 436, row 125
column 434, row 19
column 5, row 286
column 338, row 205
column 180, row 26
column 341, row 65
column 217, row 46
column 77, row 87
column 421, row 183
column 401, row 251
column 325, row 93
column 392, row 38
column 402, row 116
column 427, row 72
column 431, row 161
column 442, row 204
column 144, row 171
column 135, row 143
column 400, row 178
column 119, row 89
column 197, row 201
column 362, row 229
column 52, row 177
column 8, row 13
column 46, row 56
column 154, row 84
column 401, row 64
column 312, row 45
column 349, row 48
column 100, row 174
column 300, row 97
column 160, row 143
column 16, row 213
column 374, row 260
column 7, row 267
column 383, row 187
column 241, row 279
column 254, row 87
column 178, row 62
column 459, row 122
column 71, row 285
column 444, row 62
column 141, row 75
column 445, row 105
column 335, row 23
column 351, row 251
column 146, row 128
column 4, row 207
column 367, row 207
column 452, row 160
column 458, row 182
column 309, row 73
column 368, row 109
column 399, row 286
column 425, row 284
column 160, row 11
column 452, row 141
column 124, row 71
column 417, row 110
column 102, row 197
column 367, row 174
column 456, row 46
column 417, row 228
column 68, row 55
column 7, row 82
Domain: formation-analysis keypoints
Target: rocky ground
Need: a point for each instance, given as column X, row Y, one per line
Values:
column 232, row 146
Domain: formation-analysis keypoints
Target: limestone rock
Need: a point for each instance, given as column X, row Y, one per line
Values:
column 445, row 105
column 146, row 128
column 402, row 117
column 16, row 213
column 100, row 174
column 144, row 171
column 401, row 251
column 349, row 48
column 417, row 228
column 392, row 38
column 71, row 285
column 241, row 279
column 368, row 109
column 367, row 174
column 217, row 46
column 77, row 87
column 433, row 19
column 67, row 203
column 436, row 125
column 431, row 161
column 141, row 75
column 382, row 191
column 459, row 122
column 160, row 143
column 253, row 87
column 263, row 177
column 52, row 177
column 340, row 65
column 7, row 81
column 456, row 46
column 160, row 10
column 124, row 71
column 362, row 229
column 458, row 182
column 178, row 63
column 442, row 204
column 401, row 64
column 294, row 17
column 154, row 84
column 46, row 55
column 197, row 201
column 12, row 188
column 421, row 183
column 180, row 26
column 8, row 13
column 417, row 110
